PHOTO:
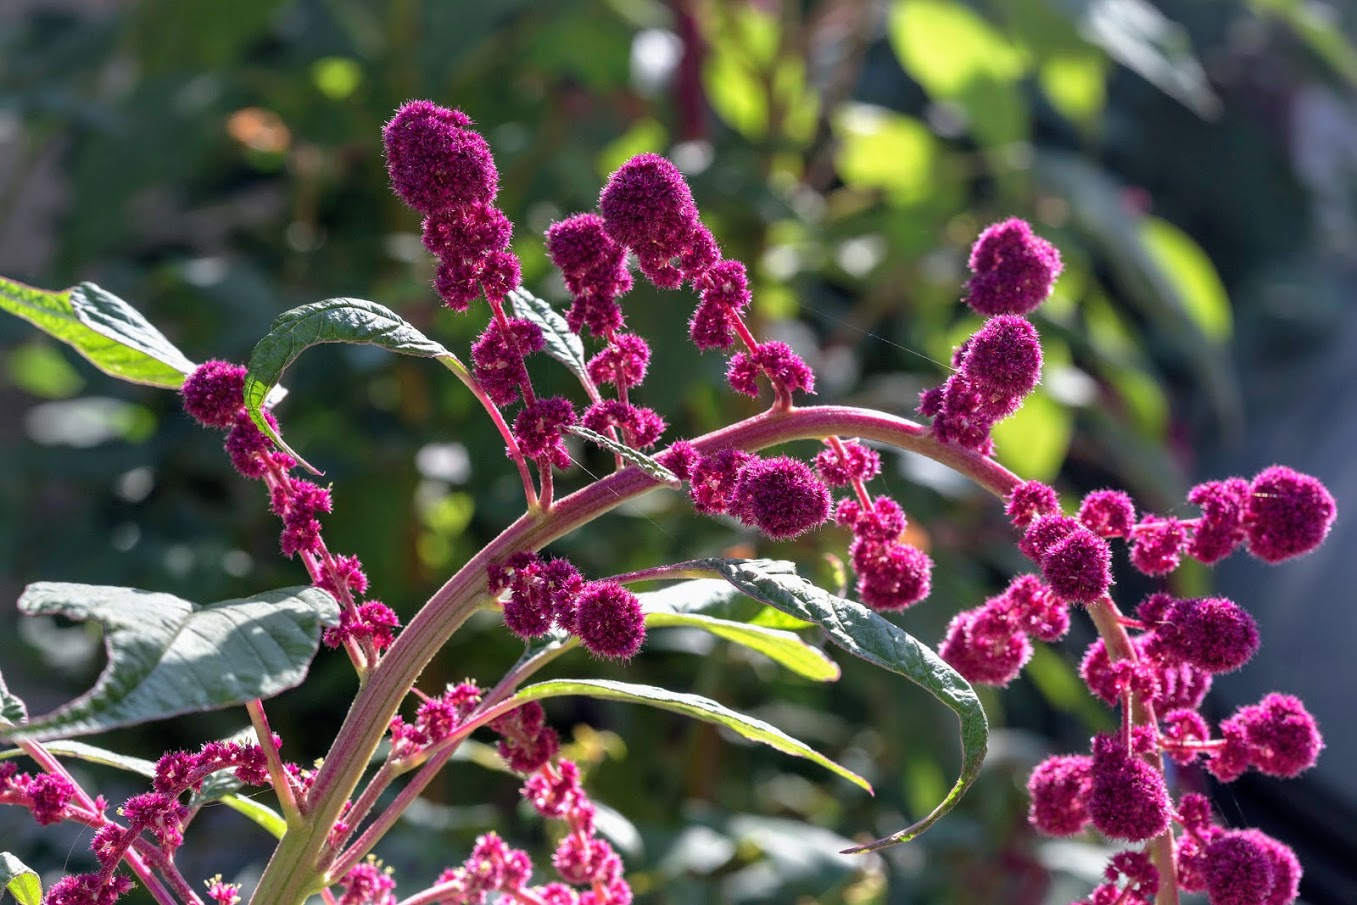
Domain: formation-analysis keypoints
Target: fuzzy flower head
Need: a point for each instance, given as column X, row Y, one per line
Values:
column 1077, row 568
column 713, row 479
column 648, row 208
column 781, row 497
column 891, row 575
column 1003, row 358
column 595, row 272
column 1221, row 528
column 609, row 621
column 1127, row 798
column 435, row 161
column 1058, row 788
column 622, row 362
column 214, row 393
column 858, row 463
column 497, row 356
column 1157, row 545
column 539, row 427
column 1213, row 634
column 1279, row 735
column 1029, row 500
column 1237, row 870
column 1014, row 269
column 985, row 646
column 1289, row 514
column 1108, row 513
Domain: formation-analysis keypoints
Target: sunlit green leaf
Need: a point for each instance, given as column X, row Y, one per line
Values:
column 19, row 880
column 38, row 368
column 167, row 656
column 690, row 705
column 12, row 710
column 650, row 466
column 1075, row 85
column 1198, row 286
column 782, row 647
column 110, row 333
column 881, row 149
column 1033, row 442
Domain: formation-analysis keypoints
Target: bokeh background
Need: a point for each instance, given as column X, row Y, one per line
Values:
column 217, row 164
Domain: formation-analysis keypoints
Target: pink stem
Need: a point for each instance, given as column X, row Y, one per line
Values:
column 282, row 786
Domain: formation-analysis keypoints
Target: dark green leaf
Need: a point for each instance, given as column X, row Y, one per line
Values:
column 103, row 328
column 563, row 344
column 331, row 321
column 691, row 705
column 12, row 710
column 648, row 465
column 167, row 656
column 865, row 634
column 20, row 880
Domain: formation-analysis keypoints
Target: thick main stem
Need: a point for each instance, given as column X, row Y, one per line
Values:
column 293, row 872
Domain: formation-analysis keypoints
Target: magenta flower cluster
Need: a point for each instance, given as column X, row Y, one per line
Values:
column 214, row 395
column 604, row 615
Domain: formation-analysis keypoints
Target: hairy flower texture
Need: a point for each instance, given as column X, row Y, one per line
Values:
column 681, row 458
column 1029, row 500
column 1044, row 533
column 1157, row 544
column 540, row 592
column 883, row 522
column 1289, row 514
column 1058, row 788
column 621, row 363
column 251, row 452
column 368, row 883
column 1035, row 609
column 1213, row 634
column 498, row 357
column 1140, row 874
column 214, row 392
column 891, row 575
column 555, row 793
column 781, row 497
column 1108, row 513
column 1078, row 567
column 88, row 889
column 223, row 893
column 301, row 501
column 1280, row 736
column 1221, row 527
column 539, row 427
column 1168, row 685
column 1286, row 870
column 159, row 814
column 858, row 463
column 1014, row 269
column 782, row 366
column 609, row 621
column 586, row 861
column 1183, row 729
column 182, row 771
column 1003, row 357
column 470, row 244
column 711, row 327
column 713, row 480
column 985, row 645
column 45, row 795
column 595, row 272
column 642, row 426
column 647, row 207
column 1126, row 796
column 725, row 284
column 372, row 620
column 435, row 161
column 1237, row 870
column 527, row 741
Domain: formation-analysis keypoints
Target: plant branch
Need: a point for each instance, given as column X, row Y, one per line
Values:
column 282, row 786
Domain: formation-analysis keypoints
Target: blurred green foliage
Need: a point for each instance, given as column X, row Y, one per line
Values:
column 217, row 164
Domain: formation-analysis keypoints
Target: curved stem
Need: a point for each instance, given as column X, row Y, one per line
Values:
column 293, row 872
column 515, row 454
column 282, row 786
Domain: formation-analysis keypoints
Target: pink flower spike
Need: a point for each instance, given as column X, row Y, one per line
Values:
column 1108, row 513
column 609, row 621
column 1221, row 527
column 1044, row 533
column 1289, row 514
column 1014, row 269
column 985, row 646
column 1282, row 737
column 781, row 497
column 1003, row 357
column 1058, row 788
column 1077, row 568
column 858, row 462
column 1238, row 870
column 436, row 162
column 1213, row 634
column 1127, row 798
column 539, row 428
column 1157, row 545
column 647, row 207
column 1028, row 501
column 214, row 392
column 713, row 479
column 622, row 363
column 891, row 575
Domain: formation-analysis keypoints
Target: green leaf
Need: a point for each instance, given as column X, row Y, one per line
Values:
column 691, row 705
column 1137, row 35
column 167, row 656
column 865, row 634
column 1192, row 275
column 12, row 710
column 781, row 647
column 956, row 55
column 339, row 320
column 20, row 880
column 103, row 328
column 260, row 813
column 652, row 468
column 885, row 150
column 562, row 344
column 1075, row 84
column 95, row 755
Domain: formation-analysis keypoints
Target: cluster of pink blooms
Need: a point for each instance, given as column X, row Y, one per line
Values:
column 1164, row 672
column 604, row 615
column 154, row 821
column 214, row 395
